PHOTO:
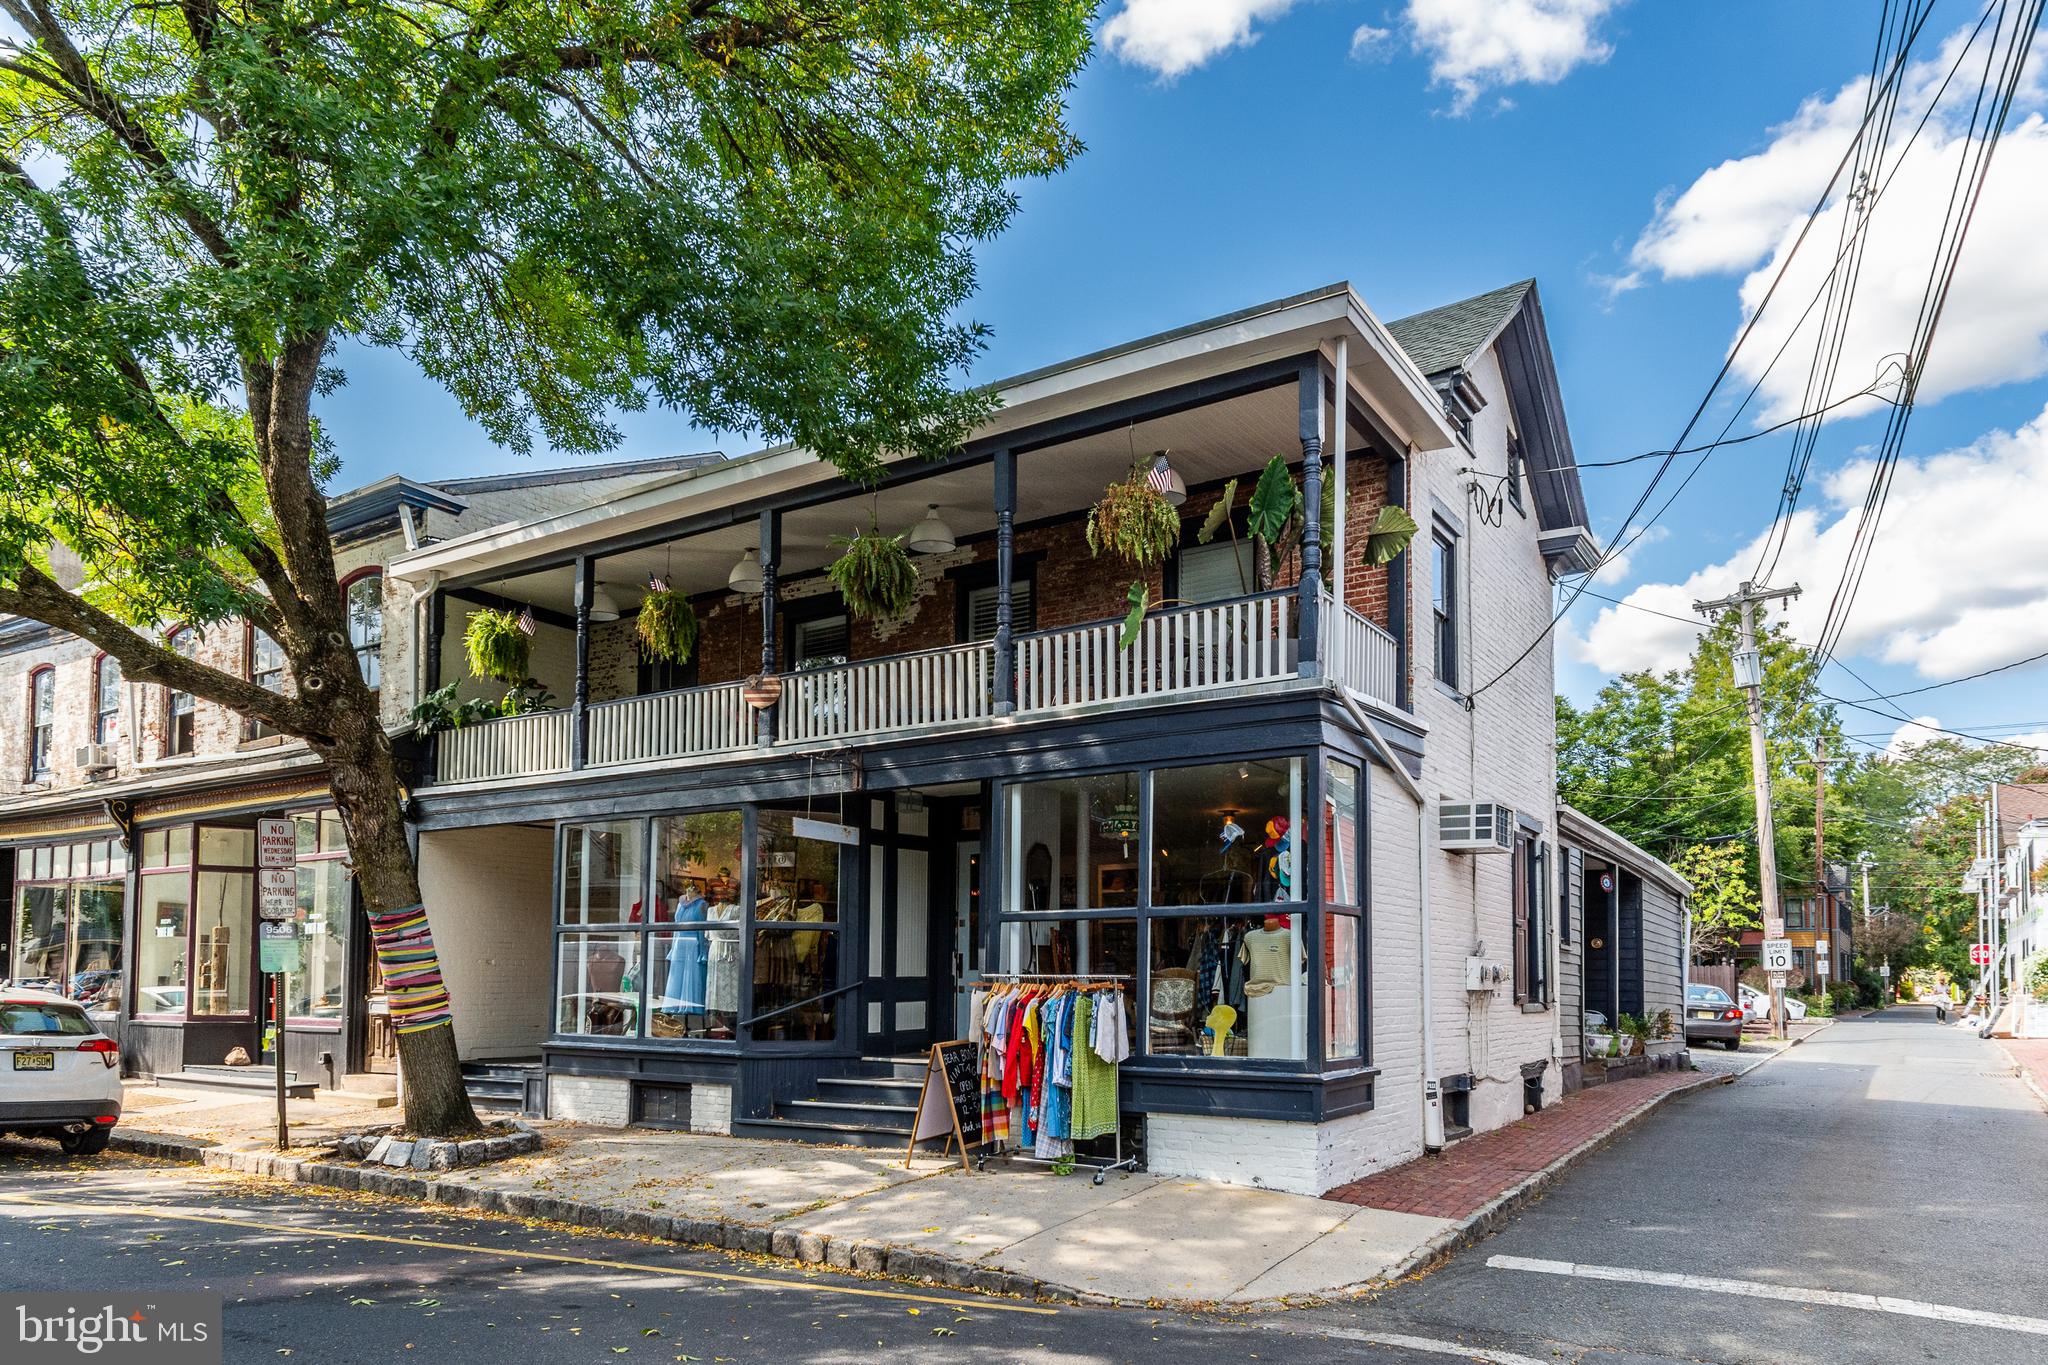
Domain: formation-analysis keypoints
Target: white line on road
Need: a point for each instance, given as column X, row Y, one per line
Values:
column 1427, row 1345
column 1758, row 1289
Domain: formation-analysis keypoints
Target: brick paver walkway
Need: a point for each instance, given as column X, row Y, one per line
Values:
column 1469, row 1175
column 2032, row 1056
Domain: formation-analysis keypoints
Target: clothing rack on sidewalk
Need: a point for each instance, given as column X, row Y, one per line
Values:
column 1118, row 1161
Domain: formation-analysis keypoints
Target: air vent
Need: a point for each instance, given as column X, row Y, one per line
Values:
column 1475, row 827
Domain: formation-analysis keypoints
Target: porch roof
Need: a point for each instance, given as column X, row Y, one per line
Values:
column 1592, row 836
column 1383, row 379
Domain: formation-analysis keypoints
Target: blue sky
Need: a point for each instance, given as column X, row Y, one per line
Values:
column 1240, row 150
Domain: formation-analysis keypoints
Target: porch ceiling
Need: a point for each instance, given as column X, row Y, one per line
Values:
column 1230, row 438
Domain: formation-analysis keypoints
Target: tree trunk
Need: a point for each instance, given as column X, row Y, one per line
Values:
column 364, row 777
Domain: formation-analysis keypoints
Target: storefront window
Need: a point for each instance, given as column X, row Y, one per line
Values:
column 226, row 847
column 325, row 895
column 1340, row 834
column 693, row 986
column 604, row 872
column 795, row 963
column 600, row 984
column 64, row 921
column 94, row 978
column 1071, row 947
column 1229, row 987
column 1342, row 1016
column 1226, row 833
column 39, row 928
column 1077, row 844
column 162, row 915
column 222, row 932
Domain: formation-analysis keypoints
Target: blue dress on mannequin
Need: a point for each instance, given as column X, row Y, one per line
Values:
column 684, row 991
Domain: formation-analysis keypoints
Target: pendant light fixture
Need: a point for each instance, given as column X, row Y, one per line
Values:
column 746, row 575
column 1167, row 480
column 932, row 536
column 603, row 606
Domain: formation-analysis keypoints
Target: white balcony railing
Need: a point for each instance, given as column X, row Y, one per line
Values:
column 1183, row 649
column 908, row 691
column 1238, row 643
column 696, row 720
column 511, row 747
column 1361, row 656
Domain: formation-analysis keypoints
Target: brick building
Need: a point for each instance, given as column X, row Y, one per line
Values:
column 127, row 811
column 736, row 892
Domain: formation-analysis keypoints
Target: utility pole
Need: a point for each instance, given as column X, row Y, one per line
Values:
column 1749, row 676
column 1823, row 903
column 1863, row 861
column 1996, row 913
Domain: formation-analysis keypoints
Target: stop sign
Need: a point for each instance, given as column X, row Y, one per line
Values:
column 1980, row 953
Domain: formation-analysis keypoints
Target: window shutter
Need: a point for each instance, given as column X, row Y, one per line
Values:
column 981, row 610
column 1214, row 572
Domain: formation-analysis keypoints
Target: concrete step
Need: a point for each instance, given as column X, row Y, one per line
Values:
column 830, row 1114
column 870, row 1089
column 898, row 1068
column 247, row 1080
column 793, row 1130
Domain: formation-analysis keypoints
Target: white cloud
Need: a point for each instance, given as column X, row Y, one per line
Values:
column 1617, row 567
column 1172, row 37
column 1913, row 735
column 1744, row 214
column 1956, row 581
column 1476, row 45
column 1371, row 44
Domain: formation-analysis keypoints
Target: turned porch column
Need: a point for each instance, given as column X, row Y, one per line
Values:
column 1006, row 547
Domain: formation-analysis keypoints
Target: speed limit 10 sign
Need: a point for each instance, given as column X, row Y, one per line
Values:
column 1777, row 954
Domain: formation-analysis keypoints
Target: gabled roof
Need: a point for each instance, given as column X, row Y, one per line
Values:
column 1446, row 338
column 1583, row 831
column 1444, row 341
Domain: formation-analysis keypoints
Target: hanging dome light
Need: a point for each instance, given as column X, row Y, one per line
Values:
column 746, row 575
column 1165, row 478
column 932, row 536
column 603, row 606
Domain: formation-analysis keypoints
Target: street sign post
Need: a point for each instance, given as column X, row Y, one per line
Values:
column 277, row 905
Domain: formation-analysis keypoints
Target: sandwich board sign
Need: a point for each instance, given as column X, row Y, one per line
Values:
column 949, row 1105
column 1777, row 955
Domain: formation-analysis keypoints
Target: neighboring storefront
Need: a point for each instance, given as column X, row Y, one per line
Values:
column 66, row 935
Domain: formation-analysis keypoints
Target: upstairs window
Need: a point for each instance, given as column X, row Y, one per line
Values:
column 366, row 626
column 180, row 708
column 106, row 699
column 266, row 670
column 42, row 721
column 981, row 609
column 1444, row 605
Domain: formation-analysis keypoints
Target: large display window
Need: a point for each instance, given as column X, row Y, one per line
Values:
column 796, row 932
column 313, row 994
column 68, row 910
column 1195, row 879
column 693, row 983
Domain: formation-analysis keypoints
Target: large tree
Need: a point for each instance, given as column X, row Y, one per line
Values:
column 757, row 212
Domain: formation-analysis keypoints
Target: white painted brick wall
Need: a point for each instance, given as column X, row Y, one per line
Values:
column 590, row 1099
column 710, row 1108
column 1259, row 1152
column 487, row 893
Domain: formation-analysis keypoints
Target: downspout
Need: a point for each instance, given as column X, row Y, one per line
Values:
column 1432, row 1113
column 420, row 643
column 1338, row 560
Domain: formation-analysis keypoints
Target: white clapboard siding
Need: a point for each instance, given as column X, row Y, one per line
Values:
column 934, row 688
column 511, row 747
column 694, row 720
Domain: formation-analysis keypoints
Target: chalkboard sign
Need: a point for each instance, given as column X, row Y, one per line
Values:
column 949, row 1105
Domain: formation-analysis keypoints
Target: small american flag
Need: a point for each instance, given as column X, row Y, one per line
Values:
column 1159, row 478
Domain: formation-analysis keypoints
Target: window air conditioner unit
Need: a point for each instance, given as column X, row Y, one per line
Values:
column 94, row 756
column 1475, row 827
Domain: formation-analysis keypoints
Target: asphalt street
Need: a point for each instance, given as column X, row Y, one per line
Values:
column 1886, row 1156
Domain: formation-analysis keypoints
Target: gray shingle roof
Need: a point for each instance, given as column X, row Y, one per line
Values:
column 1445, row 338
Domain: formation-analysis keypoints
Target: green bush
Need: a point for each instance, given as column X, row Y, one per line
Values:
column 2037, row 977
column 1818, row 1006
column 1844, row 994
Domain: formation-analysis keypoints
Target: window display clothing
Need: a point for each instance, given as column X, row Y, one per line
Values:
column 683, row 991
column 1269, row 959
column 722, row 965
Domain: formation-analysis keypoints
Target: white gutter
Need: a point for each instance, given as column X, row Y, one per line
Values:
column 1432, row 1133
column 1338, row 430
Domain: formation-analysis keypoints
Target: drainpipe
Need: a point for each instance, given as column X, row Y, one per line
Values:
column 1340, row 564
column 420, row 643
column 1425, row 844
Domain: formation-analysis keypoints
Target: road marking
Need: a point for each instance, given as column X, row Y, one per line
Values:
column 513, row 1253
column 1758, row 1289
column 1427, row 1345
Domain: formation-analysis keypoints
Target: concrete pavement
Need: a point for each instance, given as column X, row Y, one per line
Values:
column 1890, row 1164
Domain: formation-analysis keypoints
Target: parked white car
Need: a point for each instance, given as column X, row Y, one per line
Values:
column 59, row 1075
column 1756, row 1005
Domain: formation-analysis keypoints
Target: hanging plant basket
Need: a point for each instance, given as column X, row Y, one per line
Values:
column 497, row 645
column 668, row 626
column 1133, row 523
column 874, row 575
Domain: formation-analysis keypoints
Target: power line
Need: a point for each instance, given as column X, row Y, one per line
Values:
column 1967, row 677
column 1771, row 430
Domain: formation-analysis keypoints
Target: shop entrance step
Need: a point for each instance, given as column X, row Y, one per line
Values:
column 255, row 1080
column 873, row 1103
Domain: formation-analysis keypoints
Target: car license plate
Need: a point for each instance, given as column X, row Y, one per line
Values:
column 1703, row 1014
column 35, row 1061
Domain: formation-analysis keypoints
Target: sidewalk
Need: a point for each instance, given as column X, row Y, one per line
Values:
column 2030, row 1058
column 1137, row 1239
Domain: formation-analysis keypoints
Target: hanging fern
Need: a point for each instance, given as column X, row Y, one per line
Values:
column 874, row 575
column 667, row 626
column 496, row 646
column 1133, row 523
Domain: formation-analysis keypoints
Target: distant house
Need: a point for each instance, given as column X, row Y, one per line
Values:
column 1623, row 935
